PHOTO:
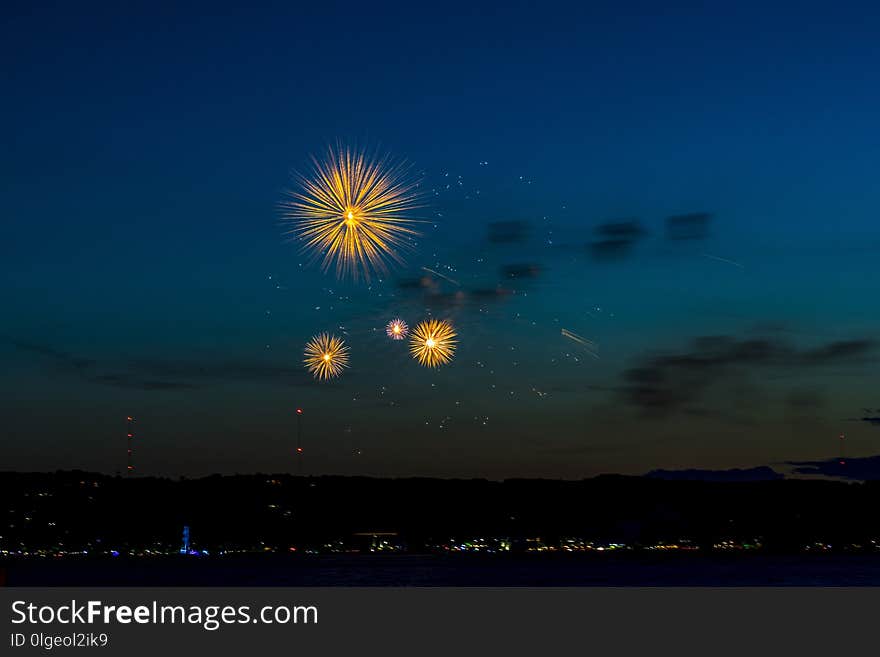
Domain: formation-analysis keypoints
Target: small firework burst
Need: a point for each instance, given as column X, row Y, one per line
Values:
column 326, row 356
column 433, row 342
column 354, row 212
column 397, row 329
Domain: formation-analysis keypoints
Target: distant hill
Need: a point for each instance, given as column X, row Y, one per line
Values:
column 280, row 512
column 760, row 473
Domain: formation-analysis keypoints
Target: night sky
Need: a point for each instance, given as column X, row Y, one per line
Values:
column 145, row 150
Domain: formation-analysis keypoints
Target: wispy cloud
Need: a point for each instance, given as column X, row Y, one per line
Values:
column 161, row 374
column 864, row 468
column 673, row 382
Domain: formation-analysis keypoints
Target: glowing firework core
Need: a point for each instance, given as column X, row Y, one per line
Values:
column 433, row 343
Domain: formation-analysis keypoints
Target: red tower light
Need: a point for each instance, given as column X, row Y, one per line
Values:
column 129, row 468
column 299, row 449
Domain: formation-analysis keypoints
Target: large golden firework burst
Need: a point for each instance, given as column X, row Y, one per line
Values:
column 326, row 356
column 352, row 212
column 432, row 342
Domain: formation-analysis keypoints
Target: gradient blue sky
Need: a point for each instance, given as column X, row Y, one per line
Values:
column 145, row 149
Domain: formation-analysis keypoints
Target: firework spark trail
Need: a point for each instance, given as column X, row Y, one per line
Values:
column 353, row 212
column 326, row 356
column 720, row 259
column 437, row 273
column 433, row 343
column 590, row 346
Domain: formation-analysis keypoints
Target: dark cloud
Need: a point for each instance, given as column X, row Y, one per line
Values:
column 462, row 298
column 836, row 351
column 129, row 382
column 418, row 283
column 725, row 416
column 520, row 270
column 616, row 239
column 690, row 226
column 623, row 229
column 865, row 468
column 437, row 300
column 611, row 249
column 489, row 293
column 63, row 360
column 219, row 371
column 508, row 232
column 163, row 374
column 874, row 421
column 668, row 383
column 801, row 400
column 441, row 293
